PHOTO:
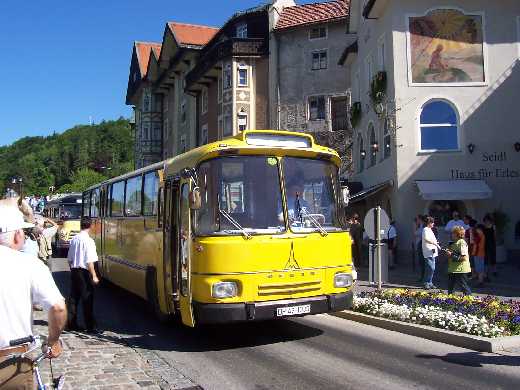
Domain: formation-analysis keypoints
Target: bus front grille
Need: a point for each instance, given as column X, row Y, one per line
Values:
column 288, row 288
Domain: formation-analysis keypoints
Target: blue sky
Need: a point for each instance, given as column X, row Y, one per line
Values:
column 64, row 61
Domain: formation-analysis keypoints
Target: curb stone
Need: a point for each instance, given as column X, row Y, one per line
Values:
column 476, row 343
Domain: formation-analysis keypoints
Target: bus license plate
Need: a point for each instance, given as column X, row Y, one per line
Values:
column 293, row 310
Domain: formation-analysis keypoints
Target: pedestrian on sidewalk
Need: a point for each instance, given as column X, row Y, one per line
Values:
column 356, row 232
column 391, row 236
column 83, row 278
column 479, row 253
column 418, row 227
column 458, row 262
column 430, row 247
column 491, row 245
column 454, row 221
column 24, row 281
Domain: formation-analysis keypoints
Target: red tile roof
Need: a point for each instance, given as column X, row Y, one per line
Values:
column 143, row 50
column 301, row 15
column 192, row 34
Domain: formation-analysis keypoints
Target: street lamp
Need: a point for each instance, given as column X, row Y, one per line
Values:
column 18, row 180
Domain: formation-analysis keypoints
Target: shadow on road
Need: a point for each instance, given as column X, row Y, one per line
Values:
column 129, row 316
column 475, row 359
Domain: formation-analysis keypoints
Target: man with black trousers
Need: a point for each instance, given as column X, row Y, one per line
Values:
column 83, row 278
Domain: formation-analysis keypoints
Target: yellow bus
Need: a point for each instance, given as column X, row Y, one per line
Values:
column 243, row 229
column 66, row 212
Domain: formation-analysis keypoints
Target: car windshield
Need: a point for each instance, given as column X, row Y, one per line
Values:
column 240, row 196
column 310, row 188
column 70, row 212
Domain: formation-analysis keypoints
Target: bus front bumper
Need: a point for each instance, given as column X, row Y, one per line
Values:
column 215, row 313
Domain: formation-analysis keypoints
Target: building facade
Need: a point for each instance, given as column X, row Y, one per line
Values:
column 147, row 105
column 312, row 89
column 434, row 92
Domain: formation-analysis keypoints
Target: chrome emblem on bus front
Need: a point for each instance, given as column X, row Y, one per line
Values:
column 292, row 264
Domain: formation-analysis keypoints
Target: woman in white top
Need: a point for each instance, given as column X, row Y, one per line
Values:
column 430, row 248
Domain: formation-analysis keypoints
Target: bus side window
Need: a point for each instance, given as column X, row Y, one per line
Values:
column 86, row 204
column 94, row 203
column 117, row 199
column 150, row 194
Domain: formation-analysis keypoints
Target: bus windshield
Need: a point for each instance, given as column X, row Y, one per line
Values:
column 240, row 196
column 311, row 188
column 69, row 211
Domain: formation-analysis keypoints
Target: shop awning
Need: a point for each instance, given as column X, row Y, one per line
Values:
column 370, row 191
column 454, row 189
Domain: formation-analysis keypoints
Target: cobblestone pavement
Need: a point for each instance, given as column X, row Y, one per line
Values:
column 107, row 362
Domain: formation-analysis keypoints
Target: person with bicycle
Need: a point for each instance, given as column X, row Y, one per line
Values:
column 24, row 281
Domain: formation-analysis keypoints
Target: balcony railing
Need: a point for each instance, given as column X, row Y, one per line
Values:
column 232, row 47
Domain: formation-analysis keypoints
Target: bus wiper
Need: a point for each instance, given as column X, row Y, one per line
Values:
column 304, row 212
column 234, row 222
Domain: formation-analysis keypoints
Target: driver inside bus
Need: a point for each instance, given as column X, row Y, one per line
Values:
column 297, row 207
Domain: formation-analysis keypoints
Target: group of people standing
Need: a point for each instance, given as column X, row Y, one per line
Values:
column 25, row 282
column 471, row 251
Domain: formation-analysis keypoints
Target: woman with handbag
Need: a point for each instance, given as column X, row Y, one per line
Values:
column 458, row 262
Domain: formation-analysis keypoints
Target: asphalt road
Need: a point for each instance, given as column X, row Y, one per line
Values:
column 314, row 352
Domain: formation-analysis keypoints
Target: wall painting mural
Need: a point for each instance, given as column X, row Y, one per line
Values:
column 446, row 46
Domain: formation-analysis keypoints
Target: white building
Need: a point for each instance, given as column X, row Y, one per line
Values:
column 443, row 134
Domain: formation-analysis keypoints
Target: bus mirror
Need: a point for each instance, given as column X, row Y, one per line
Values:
column 345, row 196
column 195, row 199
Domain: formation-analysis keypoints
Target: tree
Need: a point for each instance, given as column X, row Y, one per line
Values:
column 81, row 180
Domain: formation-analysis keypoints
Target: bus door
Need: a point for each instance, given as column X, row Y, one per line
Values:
column 103, row 214
column 170, row 198
column 184, row 257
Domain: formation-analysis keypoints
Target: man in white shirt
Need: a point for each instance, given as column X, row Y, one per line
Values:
column 82, row 257
column 455, row 221
column 23, row 281
column 430, row 247
column 392, row 245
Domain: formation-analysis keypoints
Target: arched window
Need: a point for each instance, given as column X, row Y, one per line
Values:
column 387, row 140
column 361, row 153
column 374, row 146
column 439, row 127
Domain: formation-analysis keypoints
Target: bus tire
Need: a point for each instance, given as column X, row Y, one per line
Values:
column 153, row 296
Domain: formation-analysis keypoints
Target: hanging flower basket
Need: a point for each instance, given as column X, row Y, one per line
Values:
column 355, row 114
column 378, row 88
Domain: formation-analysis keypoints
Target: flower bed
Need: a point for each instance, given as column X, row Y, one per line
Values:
column 488, row 317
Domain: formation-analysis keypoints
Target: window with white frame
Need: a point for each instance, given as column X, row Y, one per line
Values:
column 319, row 60
column 183, row 111
column 242, row 75
column 373, row 144
column 387, row 139
column 361, row 153
column 204, row 100
column 381, row 54
column 241, row 31
column 227, row 76
column 318, row 32
column 317, row 108
column 439, row 126
column 204, row 135
column 228, row 126
column 242, row 121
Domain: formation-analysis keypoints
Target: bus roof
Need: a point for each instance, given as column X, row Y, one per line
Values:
column 74, row 198
column 249, row 142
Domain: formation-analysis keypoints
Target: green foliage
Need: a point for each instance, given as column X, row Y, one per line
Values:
column 69, row 161
column 378, row 88
column 501, row 220
column 81, row 180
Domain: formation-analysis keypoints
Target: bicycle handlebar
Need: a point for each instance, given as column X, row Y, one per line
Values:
column 23, row 340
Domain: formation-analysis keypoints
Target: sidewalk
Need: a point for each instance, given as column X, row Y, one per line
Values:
column 506, row 284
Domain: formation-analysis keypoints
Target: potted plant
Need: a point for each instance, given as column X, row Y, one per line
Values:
column 501, row 220
column 378, row 88
column 355, row 114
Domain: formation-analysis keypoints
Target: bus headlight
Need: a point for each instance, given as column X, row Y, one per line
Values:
column 342, row 280
column 224, row 290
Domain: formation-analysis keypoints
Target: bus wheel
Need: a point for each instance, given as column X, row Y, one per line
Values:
column 153, row 296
